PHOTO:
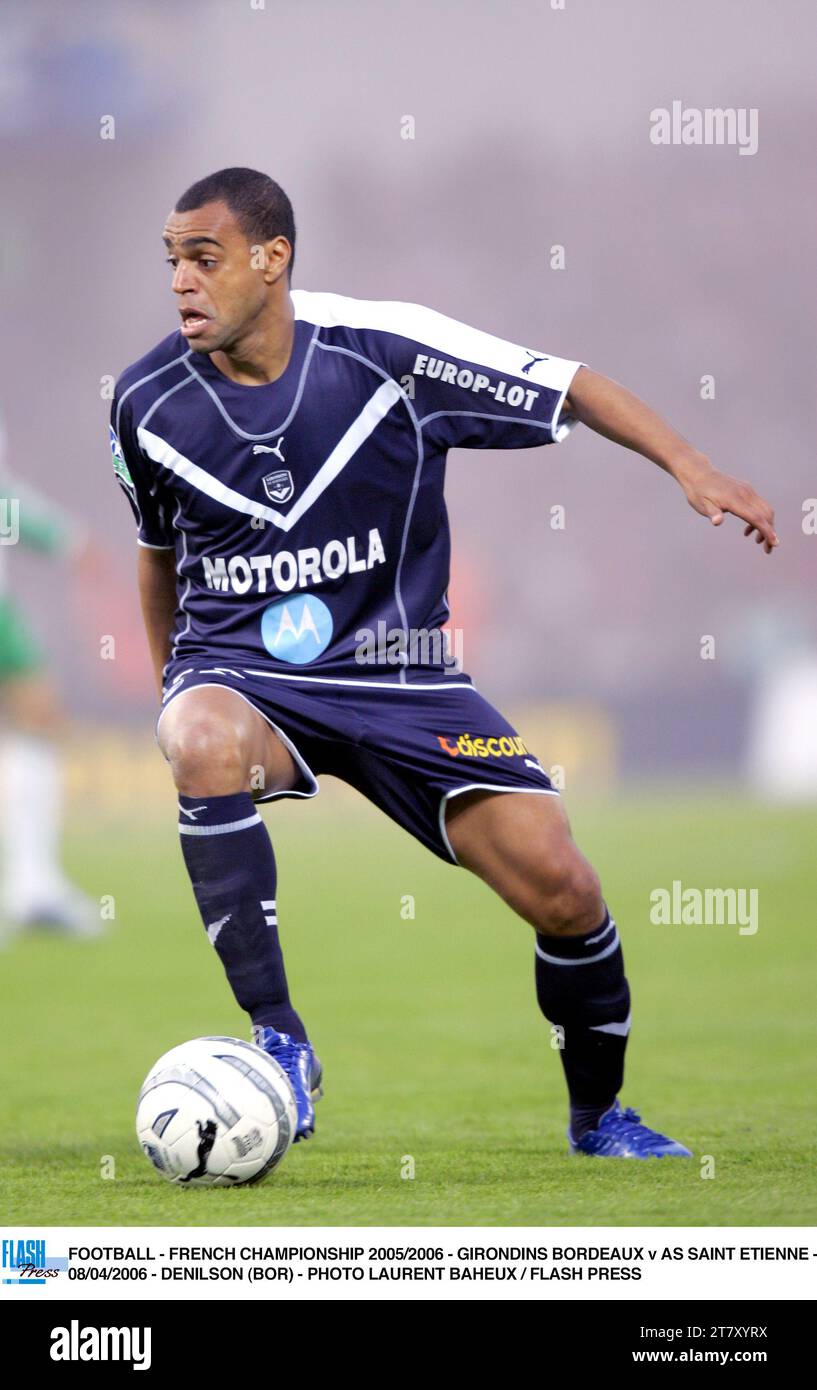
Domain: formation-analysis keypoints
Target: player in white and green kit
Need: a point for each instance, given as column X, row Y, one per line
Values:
column 35, row 891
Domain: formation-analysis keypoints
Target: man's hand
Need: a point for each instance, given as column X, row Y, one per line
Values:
column 610, row 409
column 713, row 494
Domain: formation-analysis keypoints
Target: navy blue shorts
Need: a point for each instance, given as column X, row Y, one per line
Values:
column 407, row 748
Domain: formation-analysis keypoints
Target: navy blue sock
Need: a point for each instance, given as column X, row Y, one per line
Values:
column 582, row 989
column 229, row 857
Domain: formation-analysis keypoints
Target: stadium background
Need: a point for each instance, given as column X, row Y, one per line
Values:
column 531, row 131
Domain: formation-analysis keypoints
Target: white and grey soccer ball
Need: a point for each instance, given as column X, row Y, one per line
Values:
column 215, row 1112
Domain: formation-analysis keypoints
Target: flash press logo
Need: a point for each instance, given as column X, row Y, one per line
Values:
column 75, row 1343
column 26, row 1262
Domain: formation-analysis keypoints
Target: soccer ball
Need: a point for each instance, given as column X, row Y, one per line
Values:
column 215, row 1112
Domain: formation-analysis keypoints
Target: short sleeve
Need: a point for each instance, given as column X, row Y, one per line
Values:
column 475, row 391
column 136, row 477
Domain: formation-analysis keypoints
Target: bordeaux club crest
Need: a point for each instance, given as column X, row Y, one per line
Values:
column 279, row 486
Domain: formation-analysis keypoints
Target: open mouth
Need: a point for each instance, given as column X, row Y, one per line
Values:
column 194, row 321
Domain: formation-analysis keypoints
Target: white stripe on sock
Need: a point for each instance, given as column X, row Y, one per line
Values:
column 619, row 1029
column 254, row 819
column 584, row 960
column 214, row 929
column 611, row 926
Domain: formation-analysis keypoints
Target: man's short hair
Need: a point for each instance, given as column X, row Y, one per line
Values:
column 260, row 206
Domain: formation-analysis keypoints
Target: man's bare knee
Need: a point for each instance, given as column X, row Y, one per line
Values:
column 218, row 744
column 569, row 899
column 207, row 756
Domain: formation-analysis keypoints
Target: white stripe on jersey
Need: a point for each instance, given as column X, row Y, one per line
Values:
column 428, row 327
column 358, row 432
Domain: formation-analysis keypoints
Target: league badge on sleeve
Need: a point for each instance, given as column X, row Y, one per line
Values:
column 120, row 467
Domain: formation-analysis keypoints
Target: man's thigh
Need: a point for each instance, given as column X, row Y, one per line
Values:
column 419, row 751
column 522, row 847
column 493, row 834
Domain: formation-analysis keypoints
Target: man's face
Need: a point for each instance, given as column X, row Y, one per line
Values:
column 219, row 292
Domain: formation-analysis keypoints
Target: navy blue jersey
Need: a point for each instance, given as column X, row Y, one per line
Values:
column 307, row 515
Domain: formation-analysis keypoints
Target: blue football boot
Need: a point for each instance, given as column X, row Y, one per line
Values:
column 620, row 1134
column 303, row 1070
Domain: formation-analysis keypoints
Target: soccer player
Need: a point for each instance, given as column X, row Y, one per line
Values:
column 36, row 892
column 284, row 454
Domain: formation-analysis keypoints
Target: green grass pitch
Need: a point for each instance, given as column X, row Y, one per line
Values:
column 428, row 1029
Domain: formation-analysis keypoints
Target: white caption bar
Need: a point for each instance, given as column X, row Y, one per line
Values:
column 434, row 1263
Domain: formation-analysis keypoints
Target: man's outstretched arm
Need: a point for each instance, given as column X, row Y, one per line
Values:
column 615, row 412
